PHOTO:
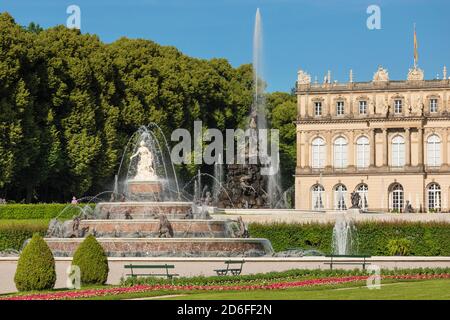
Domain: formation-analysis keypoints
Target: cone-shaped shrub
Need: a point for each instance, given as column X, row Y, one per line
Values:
column 36, row 266
column 91, row 259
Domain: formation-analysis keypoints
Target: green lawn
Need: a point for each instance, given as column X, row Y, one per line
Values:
column 416, row 290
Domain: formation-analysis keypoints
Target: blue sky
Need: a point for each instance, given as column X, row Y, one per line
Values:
column 315, row 35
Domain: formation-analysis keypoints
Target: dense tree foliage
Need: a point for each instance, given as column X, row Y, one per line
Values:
column 69, row 103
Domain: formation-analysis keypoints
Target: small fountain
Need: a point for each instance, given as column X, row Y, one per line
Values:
column 344, row 236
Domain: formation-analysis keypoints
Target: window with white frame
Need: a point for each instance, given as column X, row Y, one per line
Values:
column 362, row 107
column 318, row 108
column 339, row 197
column 340, row 152
column 398, row 151
column 318, row 153
column 340, row 108
column 433, row 151
column 433, row 105
column 434, row 196
column 317, row 197
column 362, row 152
column 398, row 106
column 396, row 197
column 363, row 191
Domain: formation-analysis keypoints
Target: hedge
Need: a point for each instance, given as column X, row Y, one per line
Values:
column 92, row 261
column 13, row 233
column 374, row 238
column 39, row 211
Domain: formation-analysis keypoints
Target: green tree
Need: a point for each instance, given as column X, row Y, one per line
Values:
column 92, row 261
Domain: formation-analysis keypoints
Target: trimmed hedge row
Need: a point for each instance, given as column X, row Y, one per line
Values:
column 374, row 238
column 39, row 211
column 14, row 233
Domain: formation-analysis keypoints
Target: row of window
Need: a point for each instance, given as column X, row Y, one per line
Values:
column 362, row 107
column 396, row 197
column 340, row 152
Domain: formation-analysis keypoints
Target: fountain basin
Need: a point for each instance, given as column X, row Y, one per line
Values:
column 182, row 228
column 142, row 210
column 168, row 247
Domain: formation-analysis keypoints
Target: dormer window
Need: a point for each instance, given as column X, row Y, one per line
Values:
column 318, row 109
column 433, row 105
column 362, row 107
column 340, row 108
column 398, row 106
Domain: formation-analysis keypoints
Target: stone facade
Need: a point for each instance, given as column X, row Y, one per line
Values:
column 386, row 139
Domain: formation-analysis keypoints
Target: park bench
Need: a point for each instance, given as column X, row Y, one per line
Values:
column 235, row 271
column 362, row 260
column 165, row 267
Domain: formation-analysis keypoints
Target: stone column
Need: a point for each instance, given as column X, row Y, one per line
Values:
column 351, row 149
column 445, row 147
column 329, row 149
column 408, row 147
column 420, row 145
column 299, row 147
column 385, row 147
column 373, row 148
column 306, row 146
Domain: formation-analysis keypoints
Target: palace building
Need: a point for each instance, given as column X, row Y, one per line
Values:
column 387, row 140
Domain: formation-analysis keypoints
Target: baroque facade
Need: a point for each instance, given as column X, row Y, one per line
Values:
column 387, row 140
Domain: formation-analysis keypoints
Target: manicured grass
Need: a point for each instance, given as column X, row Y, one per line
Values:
column 414, row 290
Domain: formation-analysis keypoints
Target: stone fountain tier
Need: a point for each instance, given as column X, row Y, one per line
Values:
column 168, row 247
column 182, row 228
column 150, row 190
column 142, row 210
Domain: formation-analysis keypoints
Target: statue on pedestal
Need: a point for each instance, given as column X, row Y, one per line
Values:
column 144, row 169
column 356, row 200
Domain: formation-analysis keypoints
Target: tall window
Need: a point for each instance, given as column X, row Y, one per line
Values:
column 318, row 153
column 317, row 197
column 340, row 153
column 433, row 105
column 434, row 196
column 397, row 106
column 398, row 151
column 318, row 108
column 339, row 197
column 362, row 152
column 433, row 151
column 363, row 107
column 396, row 196
column 340, row 108
column 363, row 191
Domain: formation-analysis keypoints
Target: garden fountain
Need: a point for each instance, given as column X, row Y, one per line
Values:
column 344, row 240
column 145, row 218
column 248, row 187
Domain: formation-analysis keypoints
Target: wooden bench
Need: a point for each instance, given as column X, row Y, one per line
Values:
column 362, row 262
column 165, row 267
column 234, row 271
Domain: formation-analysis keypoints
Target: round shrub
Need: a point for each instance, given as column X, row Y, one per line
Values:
column 92, row 261
column 36, row 266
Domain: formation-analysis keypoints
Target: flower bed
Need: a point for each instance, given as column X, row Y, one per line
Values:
column 88, row 293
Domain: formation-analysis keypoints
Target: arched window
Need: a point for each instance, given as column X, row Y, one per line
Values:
column 318, row 153
column 362, row 152
column 340, row 192
column 396, row 197
column 340, row 153
column 398, row 151
column 363, row 191
column 434, row 151
column 434, row 197
column 317, row 197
